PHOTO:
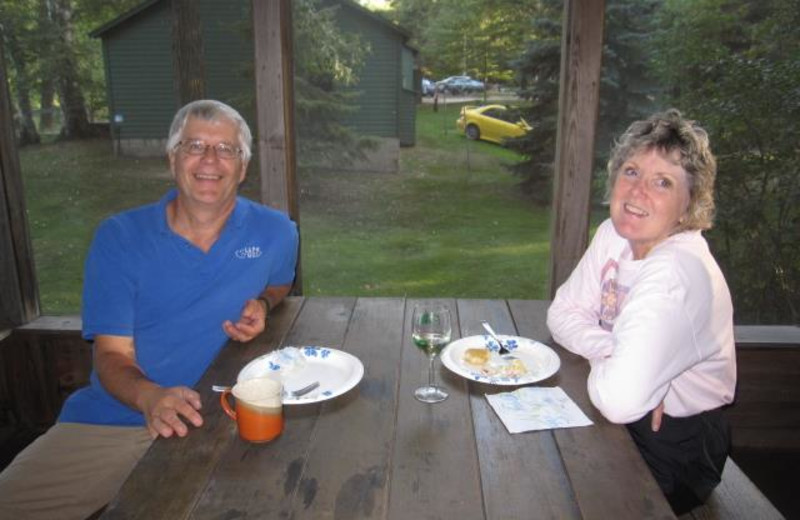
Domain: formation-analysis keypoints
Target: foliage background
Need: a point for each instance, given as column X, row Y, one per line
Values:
column 733, row 65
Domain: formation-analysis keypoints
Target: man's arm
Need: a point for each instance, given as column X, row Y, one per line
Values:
column 115, row 363
column 253, row 320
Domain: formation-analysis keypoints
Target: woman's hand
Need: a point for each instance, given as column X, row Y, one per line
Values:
column 658, row 414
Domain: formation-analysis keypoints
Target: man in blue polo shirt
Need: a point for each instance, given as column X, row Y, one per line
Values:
column 166, row 285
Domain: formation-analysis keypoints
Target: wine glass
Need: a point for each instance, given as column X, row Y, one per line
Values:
column 430, row 330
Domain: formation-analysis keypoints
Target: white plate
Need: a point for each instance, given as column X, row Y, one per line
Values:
column 540, row 360
column 336, row 371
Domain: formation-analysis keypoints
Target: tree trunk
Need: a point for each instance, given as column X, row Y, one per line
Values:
column 22, row 82
column 73, row 105
column 28, row 133
column 47, row 92
column 187, row 52
column 47, row 86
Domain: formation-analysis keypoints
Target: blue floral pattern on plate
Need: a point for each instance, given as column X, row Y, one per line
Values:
column 321, row 352
column 491, row 344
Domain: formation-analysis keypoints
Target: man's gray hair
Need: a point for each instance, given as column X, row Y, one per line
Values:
column 210, row 110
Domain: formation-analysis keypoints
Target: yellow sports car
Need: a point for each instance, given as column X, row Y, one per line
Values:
column 491, row 123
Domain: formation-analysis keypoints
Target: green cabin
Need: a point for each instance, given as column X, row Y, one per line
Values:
column 137, row 55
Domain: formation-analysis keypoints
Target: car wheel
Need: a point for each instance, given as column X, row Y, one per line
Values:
column 473, row 132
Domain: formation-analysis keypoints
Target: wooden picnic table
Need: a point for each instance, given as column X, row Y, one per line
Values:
column 376, row 452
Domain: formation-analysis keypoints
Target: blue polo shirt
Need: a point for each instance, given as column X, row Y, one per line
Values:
column 145, row 281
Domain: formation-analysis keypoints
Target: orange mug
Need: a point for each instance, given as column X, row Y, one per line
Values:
column 259, row 409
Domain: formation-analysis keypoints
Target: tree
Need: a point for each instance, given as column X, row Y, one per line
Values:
column 47, row 84
column 477, row 37
column 538, row 74
column 626, row 90
column 187, row 52
column 734, row 65
column 415, row 16
column 53, row 57
column 17, row 42
column 73, row 105
column 327, row 62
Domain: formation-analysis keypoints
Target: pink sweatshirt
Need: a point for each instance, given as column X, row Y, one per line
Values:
column 653, row 330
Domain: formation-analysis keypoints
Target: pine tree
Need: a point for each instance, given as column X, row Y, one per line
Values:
column 626, row 91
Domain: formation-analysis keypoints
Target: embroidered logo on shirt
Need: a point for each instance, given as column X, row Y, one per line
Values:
column 248, row 252
column 612, row 294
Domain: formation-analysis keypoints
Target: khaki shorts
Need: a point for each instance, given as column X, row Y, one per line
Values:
column 71, row 471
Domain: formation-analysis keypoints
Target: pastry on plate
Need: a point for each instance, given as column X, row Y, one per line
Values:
column 492, row 364
column 476, row 356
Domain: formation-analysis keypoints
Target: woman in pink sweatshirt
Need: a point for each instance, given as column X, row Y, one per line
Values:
column 649, row 308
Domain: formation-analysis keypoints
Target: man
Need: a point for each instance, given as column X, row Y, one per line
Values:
column 166, row 285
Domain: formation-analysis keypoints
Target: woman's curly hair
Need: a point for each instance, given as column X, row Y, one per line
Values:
column 669, row 132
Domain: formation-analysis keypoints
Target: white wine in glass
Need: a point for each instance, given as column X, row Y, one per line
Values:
column 430, row 331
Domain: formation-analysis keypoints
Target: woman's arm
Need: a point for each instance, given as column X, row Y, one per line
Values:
column 574, row 318
column 653, row 343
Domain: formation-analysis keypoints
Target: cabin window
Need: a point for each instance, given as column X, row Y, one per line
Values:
column 407, row 68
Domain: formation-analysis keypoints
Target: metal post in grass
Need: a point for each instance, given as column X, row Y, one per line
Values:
column 444, row 112
column 469, row 162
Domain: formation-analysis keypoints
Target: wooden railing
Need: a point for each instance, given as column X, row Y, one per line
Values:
column 41, row 363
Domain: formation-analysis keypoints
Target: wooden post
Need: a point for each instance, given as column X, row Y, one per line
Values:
column 19, row 297
column 187, row 52
column 581, row 61
column 272, row 36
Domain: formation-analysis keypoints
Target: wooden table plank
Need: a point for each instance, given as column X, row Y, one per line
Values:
column 602, row 461
column 522, row 474
column 434, row 471
column 350, row 455
column 171, row 477
column 268, row 480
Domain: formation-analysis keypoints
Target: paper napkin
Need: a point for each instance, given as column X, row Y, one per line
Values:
column 537, row 408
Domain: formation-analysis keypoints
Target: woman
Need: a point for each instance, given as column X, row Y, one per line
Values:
column 649, row 308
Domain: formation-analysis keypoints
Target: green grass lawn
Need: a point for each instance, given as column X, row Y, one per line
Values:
column 452, row 222
column 70, row 188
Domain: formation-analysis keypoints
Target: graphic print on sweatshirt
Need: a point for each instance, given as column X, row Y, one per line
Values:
column 612, row 294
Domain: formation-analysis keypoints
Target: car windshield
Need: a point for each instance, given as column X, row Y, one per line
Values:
column 512, row 115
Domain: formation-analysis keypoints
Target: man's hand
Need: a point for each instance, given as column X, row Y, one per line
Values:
column 253, row 320
column 658, row 414
column 251, row 323
column 166, row 409
column 115, row 363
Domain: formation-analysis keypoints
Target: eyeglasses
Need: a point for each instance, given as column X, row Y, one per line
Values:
column 197, row 147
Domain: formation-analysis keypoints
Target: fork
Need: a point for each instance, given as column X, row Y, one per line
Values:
column 294, row 393
column 303, row 391
column 503, row 350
